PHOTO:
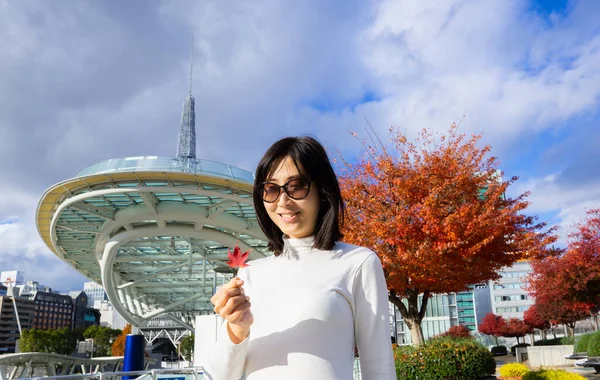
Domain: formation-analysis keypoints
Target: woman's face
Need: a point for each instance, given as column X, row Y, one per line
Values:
column 295, row 218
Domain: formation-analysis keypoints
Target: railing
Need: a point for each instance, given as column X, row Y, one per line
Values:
column 197, row 374
column 169, row 164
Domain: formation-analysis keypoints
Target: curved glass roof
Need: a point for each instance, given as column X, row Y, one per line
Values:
column 170, row 164
column 153, row 230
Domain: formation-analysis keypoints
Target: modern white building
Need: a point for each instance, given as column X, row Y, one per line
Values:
column 11, row 278
column 96, row 294
column 509, row 297
column 109, row 317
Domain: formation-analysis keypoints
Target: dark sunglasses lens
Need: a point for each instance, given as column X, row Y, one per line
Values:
column 298, row 188
column 270, row 192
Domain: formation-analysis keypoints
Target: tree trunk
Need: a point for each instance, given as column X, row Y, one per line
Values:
column 416, row 333
column 412, row 314
column 544, row 334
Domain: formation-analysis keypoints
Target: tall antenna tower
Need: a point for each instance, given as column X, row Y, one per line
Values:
column 186, row 145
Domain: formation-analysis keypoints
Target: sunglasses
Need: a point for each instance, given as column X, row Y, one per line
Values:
column 297, row 188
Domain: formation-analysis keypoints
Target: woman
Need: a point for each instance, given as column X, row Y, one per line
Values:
column 316, row 296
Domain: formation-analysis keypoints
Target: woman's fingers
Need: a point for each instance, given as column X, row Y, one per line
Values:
column 231, row 289
column 234, row 304
column 238, row 313
column 230, row 299
column 226, row 295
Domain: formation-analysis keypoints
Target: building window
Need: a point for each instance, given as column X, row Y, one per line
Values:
column 514, row 309
column 512, row 285
column 514, row 297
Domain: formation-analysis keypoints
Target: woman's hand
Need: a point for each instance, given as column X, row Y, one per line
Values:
column 233, row 305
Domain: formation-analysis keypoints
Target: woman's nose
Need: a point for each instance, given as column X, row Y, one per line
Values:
column 284, row 199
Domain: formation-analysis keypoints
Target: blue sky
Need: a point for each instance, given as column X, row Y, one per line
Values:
column 84, row 81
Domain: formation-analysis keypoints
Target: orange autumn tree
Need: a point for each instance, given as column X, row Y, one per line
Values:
column 436, row 213
column 118, row 346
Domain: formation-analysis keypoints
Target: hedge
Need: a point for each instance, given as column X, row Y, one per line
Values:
column 445, row 358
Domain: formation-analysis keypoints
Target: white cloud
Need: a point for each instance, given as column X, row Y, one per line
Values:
column 431, row 62
column 16, row 242
column 21, row 247
column 569, row 204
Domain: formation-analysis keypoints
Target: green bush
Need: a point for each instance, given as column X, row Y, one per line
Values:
column 513, row 348
column 499, row 350
column 544, row 374
column 593, row 348
column 567, row 340
column 445, row 358
column 547, row 342
column 513, row 370
column 581, row 342
column 59, row 341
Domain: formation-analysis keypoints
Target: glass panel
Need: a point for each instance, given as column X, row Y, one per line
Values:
column 154, row 163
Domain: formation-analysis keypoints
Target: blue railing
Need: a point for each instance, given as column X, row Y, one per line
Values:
column 168, row 164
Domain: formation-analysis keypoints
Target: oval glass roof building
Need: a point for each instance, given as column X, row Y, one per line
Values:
column 154, row 231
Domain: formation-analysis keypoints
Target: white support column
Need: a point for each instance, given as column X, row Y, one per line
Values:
column 204, row 277
column 172, row 306
column 151, row 276
column 126, row 292
column 129, row 297
column 136, row 300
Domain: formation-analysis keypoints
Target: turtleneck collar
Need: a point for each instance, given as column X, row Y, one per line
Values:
column 298, row 246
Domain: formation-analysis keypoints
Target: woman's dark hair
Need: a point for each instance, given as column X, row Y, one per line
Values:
column 310, row 158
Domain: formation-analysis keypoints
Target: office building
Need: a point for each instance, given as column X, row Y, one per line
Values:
column 471, row 306
column 482, row 295
column 509, row 297
column 52, row 311
column 83, row 316
column 10, row 320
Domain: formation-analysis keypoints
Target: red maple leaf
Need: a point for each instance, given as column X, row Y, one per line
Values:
column 237, row 259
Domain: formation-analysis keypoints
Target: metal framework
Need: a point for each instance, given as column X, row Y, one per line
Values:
column 26, row 364
column 153, row 231
column 165, row 327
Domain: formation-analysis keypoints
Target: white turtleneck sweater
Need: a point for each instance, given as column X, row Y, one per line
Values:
column 310, row 307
